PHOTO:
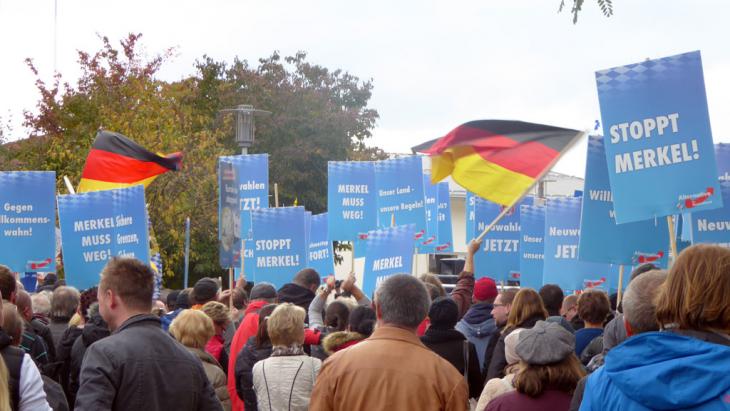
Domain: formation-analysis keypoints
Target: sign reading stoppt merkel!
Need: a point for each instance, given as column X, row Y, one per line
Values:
column 99, row 225
column 400, row 193
column 28, row 220
column 532, row 245
column 658, row 141
column 389, row 252
column 601, row 239
column 351, row 199
column 280, row 248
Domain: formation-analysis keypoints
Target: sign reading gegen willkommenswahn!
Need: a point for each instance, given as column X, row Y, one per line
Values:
column 229, row 216
column 320, row 255
column 658, row 141
column 713, row 226
column 532, row 245
column 99, row 225
column 400, row 193
column 279, row 248
column 604, row 241
column 389, row 252
column 351, row 199
column 28, row 220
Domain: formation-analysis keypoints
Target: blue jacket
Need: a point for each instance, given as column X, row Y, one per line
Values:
column 661, row 371
column 479, row 327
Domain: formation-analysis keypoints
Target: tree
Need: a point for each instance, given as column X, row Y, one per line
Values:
column 605, row 5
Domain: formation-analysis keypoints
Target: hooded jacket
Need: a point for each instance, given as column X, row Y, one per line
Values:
column 246, row 330
column 339, row 340
column 297, row 295
column 479, row 327
column 661, row 371
column 452, row 346
column 249, row 355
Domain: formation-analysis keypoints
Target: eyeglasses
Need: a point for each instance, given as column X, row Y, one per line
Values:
column 498, row 305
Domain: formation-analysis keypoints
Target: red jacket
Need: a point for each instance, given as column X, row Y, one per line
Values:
column 248, row 328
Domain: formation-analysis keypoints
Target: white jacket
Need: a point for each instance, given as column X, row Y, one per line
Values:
column 285, row 382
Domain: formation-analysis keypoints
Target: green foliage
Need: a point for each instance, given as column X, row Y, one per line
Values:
column 605, row 5
column 317, row 115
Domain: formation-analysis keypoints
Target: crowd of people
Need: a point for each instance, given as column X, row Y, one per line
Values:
column 322, row 344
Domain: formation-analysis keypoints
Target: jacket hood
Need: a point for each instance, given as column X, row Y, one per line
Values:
column 479, row 330
column 663, row 370
column 203, row 356
column 94, row 330
column 255, row 306
column 295, row 294
column 333, row 342
column 478, row 313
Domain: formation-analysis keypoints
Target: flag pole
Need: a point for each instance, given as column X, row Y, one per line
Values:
column 620, row 284
column 672, row 238
column 187, row 251
column 276, row 195
column 537, row 179
column 69, row 186
column 353, row 256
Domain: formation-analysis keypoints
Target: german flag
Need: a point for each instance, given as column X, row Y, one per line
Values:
column 498, row 160
column 115, row 161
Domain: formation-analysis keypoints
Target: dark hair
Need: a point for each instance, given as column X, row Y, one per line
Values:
column 307, row 278
column 443, row 313
column 88, row 297
column 262, row 334
column 171, row 300
column 7, row 282
column 642, row 269
column 183, row 299
column 362, row 320
column 239, row 297
column 336, row 316
column 593, row 306
column 552, row 297
column 132, row 280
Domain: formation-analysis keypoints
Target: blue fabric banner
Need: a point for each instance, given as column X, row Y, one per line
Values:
column 499, row 256
column 99, row 225
column 400, row 193
column 279, row 239
column 657, row 130
column 352, row 202
column 601, row 239
column 28, row 220
column 561, row 266
column 229, row 216
column 713, row 226
column 320, row 251
column 389, row 252
column 445, row 234
column 427, row 243
column 469, row 218
column 532, row 245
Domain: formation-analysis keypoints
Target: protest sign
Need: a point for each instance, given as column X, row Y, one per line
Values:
column 99, row 225
column 561, row 265
column 532, row 245
column 351, row 199
column 445, row 234
column 400, row 193
column 389, row 252
column 279, row 248
column 28, row 220
column 722, row 158
column 320, row 248
column 713, row 226
column 499, row 256
column 427, row 243
column 659, row 147
column 601, row 239
column 229, row 216
column 469, row 218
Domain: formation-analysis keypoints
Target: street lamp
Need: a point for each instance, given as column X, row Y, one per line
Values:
column 245, row 127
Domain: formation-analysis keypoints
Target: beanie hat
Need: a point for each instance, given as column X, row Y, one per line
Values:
column 510, row 346
column 444, row 313
column 485, row 289
column 263, row 291
column 205, row 290
column 545, row 343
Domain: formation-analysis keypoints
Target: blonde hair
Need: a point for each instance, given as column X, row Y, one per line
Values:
column 218, row 312
column 192, row 328
column 4, row 387
column 13, row 323
column 286, row 325
column 432, row 279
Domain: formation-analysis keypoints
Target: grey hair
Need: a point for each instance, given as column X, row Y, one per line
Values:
column 638, row 301
column 41, row 303
column 64, row 303
column 402, row 300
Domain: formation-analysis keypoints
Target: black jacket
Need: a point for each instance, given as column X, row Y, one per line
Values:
column 449, row 345
column 297, row 295
column 44, row 332
column 499, row 359
column 93, row 331
column 63, row 357
column 245, row 361
column 140, row 367
column 13, row 358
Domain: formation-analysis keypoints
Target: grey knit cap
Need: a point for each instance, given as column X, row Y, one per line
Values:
column 545, row 343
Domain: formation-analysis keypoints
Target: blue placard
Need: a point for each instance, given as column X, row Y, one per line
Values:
column 98, row 225
column 389, row 252
column 713, row 226
column 427, row 243
column 532, row 245
column 351, row 199
column 445, row 234
column 469, row 218
column 400, row 193
column 601, row 239
column 561, row 266
column 722, row 158
column 657, row 130
column 229, row 216
column 28, row 220
column 320, row 251
column 279, row 248
column 499, row 256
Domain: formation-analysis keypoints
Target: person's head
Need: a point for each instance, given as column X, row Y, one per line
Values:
column 443, row 313
column 12, row 323
column 433, row 291
column 432, row 279
column 171, row 300
column 527, row 304
column 22, row 301
column 552, row 298
column 264, row 292
column 593, row 307
column 219, row 313
column 286, row 325
column 87, row 298
column 362, row 320
column 485, row 291
column 262, row 333
column 192, row 328
column 64, row 303
column 503, row 306
column 695, row 294
column 336, row 315
column 239, row 298
column 307, row 278
column 570, row 307
column 8, row 284
column 638, row 302
column 41, row 304
column 125, row 290
column 183, row 299
column 547, row 360
column 401, row 301
column 205, row 289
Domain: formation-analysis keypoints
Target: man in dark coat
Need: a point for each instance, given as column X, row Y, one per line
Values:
column 301, row 290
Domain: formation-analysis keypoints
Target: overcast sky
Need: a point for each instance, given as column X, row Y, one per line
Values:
column 434, row 64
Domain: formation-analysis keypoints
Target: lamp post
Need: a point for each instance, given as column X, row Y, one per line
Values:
column 245, row 125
